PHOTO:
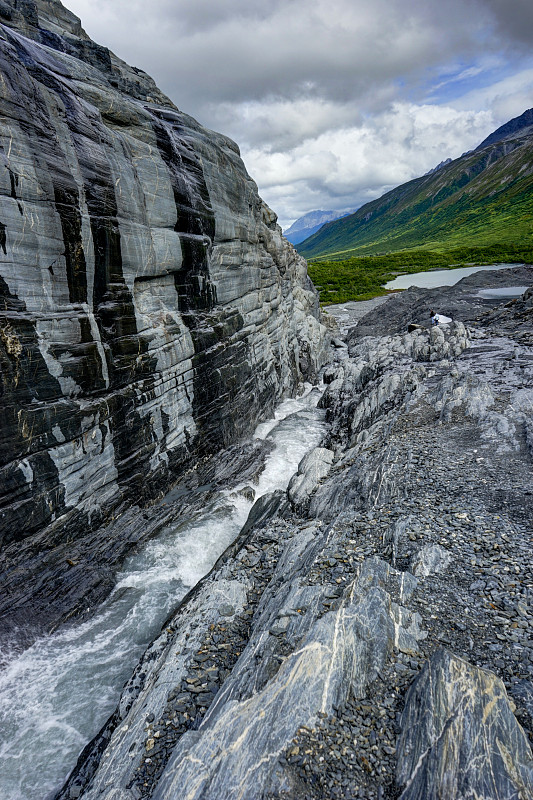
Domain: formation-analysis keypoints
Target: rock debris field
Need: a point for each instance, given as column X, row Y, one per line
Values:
column 369, row 635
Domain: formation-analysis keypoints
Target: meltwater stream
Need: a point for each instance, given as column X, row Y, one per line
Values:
column 56, row 695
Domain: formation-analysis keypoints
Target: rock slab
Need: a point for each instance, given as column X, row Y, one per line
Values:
column 460, row 738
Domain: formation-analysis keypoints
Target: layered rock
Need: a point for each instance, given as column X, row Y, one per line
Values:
column 150, row 310
column 308, row 650
column 310, row 662
column 151, row 313
column 457, row 721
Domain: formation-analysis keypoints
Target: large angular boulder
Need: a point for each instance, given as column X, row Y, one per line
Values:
column 460, row 738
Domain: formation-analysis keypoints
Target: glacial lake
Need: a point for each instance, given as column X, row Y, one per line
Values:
column 440, row 277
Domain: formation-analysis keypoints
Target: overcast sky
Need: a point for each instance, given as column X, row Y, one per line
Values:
column 332, row 102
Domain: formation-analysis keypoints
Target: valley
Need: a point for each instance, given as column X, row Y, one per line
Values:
column 257, row 540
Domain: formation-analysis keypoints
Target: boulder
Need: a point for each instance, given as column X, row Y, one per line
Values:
column 460, row 738
column 312, row 468
column 430, row 559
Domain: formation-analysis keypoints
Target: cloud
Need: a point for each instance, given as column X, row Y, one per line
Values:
column 345, row 168
column 278, row 124
column 507, row 97
column 207, row 52
column 330, row 100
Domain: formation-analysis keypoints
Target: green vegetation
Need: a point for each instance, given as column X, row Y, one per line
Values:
column 362, row 277
column 482, row 200
column 477, row 209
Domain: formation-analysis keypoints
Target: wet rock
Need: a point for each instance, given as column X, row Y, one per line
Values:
column 248, row 493
column 311, row 470
column 459, row 736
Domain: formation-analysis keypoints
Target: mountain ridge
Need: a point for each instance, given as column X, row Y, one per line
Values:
column 482, row 197
column 521, row 125
column 310, row 223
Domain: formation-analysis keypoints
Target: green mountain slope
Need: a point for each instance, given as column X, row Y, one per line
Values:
column 483, row 198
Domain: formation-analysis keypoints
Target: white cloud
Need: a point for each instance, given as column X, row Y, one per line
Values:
column 345, row 168
column 331, row 101
column 507, row 98
column 283, row 124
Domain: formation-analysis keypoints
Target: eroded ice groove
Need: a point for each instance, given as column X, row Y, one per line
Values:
column 56, row 695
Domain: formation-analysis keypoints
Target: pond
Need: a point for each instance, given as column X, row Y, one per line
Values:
column 502, row 293
column 440, row 277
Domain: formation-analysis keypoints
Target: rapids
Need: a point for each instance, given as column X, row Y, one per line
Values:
column 56, row 695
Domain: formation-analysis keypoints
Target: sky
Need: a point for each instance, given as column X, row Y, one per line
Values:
column 332, row 102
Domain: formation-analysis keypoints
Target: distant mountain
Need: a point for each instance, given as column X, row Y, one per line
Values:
column 519, row 126
column 310, row 223
column 482, row 198
column 439, row 166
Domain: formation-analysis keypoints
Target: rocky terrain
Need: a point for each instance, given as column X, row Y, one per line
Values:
column 464, row 301
column 151, row 312
column 369, row 634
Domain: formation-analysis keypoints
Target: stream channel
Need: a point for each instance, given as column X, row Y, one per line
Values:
column 55, row 696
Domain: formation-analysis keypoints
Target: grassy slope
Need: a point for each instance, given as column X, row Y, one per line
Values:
column 477, row 209
column 480, row 199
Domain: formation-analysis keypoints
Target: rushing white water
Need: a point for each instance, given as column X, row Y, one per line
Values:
column 56, row 695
